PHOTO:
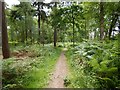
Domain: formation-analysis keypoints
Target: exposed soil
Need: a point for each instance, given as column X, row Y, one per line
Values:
column 18, row 54
column 60, row 72
column 22, row 54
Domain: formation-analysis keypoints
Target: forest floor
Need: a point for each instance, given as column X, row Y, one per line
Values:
column 60, row 72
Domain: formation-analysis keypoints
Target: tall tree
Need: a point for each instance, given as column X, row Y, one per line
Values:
column 43, row 18
column 115, row 14
column 101, row 20
column 0, row 23
column 38, row 21
column 20, row 21
column 5, row 46
column 55, row 30
column 39, row 7
column 65, row 17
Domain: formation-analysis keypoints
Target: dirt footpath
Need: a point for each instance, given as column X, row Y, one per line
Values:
column 60, row 72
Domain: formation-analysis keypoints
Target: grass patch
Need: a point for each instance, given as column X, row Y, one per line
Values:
column 30, row 72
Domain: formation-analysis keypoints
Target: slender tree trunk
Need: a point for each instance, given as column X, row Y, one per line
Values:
column 39, row 23
column 73, row 29
column 38, row 28
column 101, row 20
column 55, row 31
column 114, row 19
column 43, row 32
column 55, row 37
column 0, row 43
column 31, row 35
column 5, row 46
column 26, row 35
column 0, row 23
column 23, row 35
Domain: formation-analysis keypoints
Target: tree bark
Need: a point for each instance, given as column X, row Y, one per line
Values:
column 55, row 37
column 5, row 46
column 55, row 31
column 30, row 31
column 0, row 24
column 26, row 33
column 114, row 19
column 101, row 20
column 39, row 23
column 73, row 22
column 43, row 41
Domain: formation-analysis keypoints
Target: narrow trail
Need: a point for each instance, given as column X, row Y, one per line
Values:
column 60, row 72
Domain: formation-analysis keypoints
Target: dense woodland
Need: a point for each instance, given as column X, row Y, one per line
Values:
column 34, row 34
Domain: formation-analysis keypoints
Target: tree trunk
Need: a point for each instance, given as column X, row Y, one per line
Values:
column 101, row 20
column 43, row 32
column 0, row 42
column 114, row 19
column 31, row 33
column 39, row 23
column 55, row 31
column 0, row 24
column 5, row 46
column 26, row 35
column 23, row 35
column 55, row 37
column 73, row 28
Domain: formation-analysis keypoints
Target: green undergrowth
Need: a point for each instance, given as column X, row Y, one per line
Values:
column 94, row 64
column 78, row 78
column 31, row 69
